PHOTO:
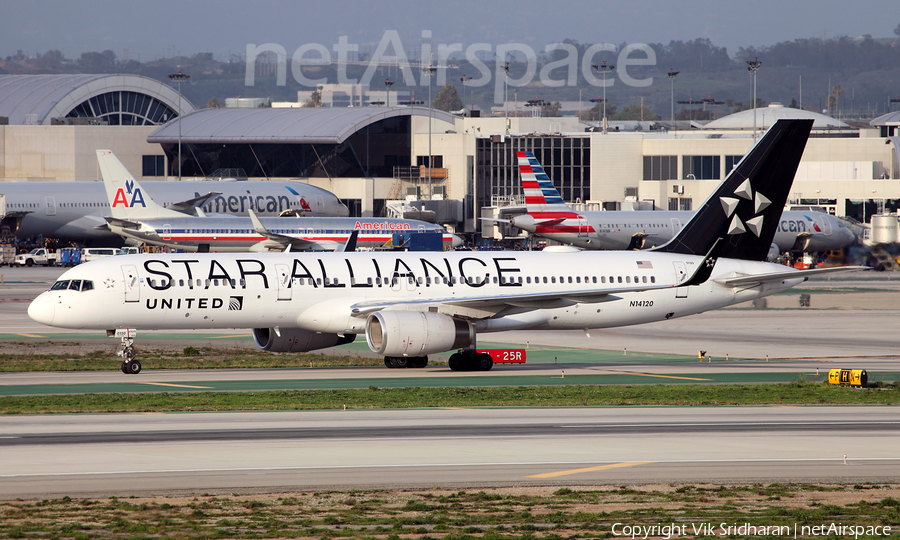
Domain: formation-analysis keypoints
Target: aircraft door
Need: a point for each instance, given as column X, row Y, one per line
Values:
column 166, row 231
column 680, row 276
column 320, row 205
column 132, row 283
column 583, row 227
column 824, row 223
column 284, row 281
column 676, row 227
column 51, row 206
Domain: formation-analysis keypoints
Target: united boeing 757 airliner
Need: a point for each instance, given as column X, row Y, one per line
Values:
column 410, row 305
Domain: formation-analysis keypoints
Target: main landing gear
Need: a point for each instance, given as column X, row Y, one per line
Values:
column 405, row 361
column 470, row 360
column 130, row 366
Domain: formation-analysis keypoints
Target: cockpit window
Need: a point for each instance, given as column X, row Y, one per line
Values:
column 73, row 285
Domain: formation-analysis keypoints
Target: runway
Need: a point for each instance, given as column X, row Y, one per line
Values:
column 136, row 454
column 143, row 454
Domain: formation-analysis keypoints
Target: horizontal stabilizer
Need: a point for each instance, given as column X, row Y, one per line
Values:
column 189, row 206
column 741, row 281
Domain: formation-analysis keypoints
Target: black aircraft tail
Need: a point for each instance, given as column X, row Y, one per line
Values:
column 746, row 208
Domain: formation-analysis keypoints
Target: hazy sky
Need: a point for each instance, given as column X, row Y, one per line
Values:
column 161, row 28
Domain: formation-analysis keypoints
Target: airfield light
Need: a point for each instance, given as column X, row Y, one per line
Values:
column 604, row 67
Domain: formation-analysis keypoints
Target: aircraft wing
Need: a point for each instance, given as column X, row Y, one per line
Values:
column 488, row 306
column 189, row 206
column 740, row 281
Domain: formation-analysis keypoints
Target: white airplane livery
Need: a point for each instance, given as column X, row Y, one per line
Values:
column 76, row 211
column 150, row 223
column 548, row 216
column 410, row 305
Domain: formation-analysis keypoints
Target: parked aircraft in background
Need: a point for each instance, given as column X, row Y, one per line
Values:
column 410, row 305
column 150, row 223
column 75, row 211
column 548, row 216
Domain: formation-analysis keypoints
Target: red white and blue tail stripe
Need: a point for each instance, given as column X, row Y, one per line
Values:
column 540, row 195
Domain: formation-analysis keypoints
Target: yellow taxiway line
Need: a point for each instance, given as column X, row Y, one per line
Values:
column 589, row 469
column 175, row 385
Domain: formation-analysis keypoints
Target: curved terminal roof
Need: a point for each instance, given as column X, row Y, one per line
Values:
column 330, row 125
column 889, row 119
column 766, row 116
column 38, row 99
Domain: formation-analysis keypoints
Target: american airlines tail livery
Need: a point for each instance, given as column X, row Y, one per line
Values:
column 548, row 216
column 410, row 305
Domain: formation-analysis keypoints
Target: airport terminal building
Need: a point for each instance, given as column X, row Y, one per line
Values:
column 369, row 156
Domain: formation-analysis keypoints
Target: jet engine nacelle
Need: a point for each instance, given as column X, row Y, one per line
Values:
column 416, row 333
column 296, row 340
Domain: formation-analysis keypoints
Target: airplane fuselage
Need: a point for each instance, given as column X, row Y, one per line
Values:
column 237, row 234
column 74, row 210
column 811, row 231
column 329, row 292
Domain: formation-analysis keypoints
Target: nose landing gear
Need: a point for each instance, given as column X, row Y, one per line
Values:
column 130, row 365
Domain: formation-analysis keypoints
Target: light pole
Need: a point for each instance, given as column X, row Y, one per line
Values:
column 506, row 97
column 672, row 75
column 430, row 71
column 179, row 78
column 752, row 67
column 464, row 79
column 604, row 67
column 387, row 90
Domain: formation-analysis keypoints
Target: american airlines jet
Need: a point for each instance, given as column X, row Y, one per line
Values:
column 548, row 216
column 76, row 211
column 410, row 305
column 150, row 223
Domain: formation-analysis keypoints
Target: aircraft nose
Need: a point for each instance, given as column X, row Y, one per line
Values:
column 456, row 241
column 42, row 309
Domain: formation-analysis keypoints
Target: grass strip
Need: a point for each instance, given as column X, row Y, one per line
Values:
column 188, row 358
column 795, row 393
column 525, row 513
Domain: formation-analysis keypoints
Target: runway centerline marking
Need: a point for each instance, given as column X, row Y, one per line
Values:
column 175, row 385
column 589, row 469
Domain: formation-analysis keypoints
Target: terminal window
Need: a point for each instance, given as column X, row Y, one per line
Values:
column 660, row 167
column 701, row 167
column 154, row 166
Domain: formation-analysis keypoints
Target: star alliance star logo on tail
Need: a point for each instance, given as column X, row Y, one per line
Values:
column 760, row 203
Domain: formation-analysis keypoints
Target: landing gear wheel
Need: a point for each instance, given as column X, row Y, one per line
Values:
column 401, row 361
column 484, row 362
column 123, row 367
column 454, row 362
column 133, row 367
column 418, row 362
column 387, row 362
